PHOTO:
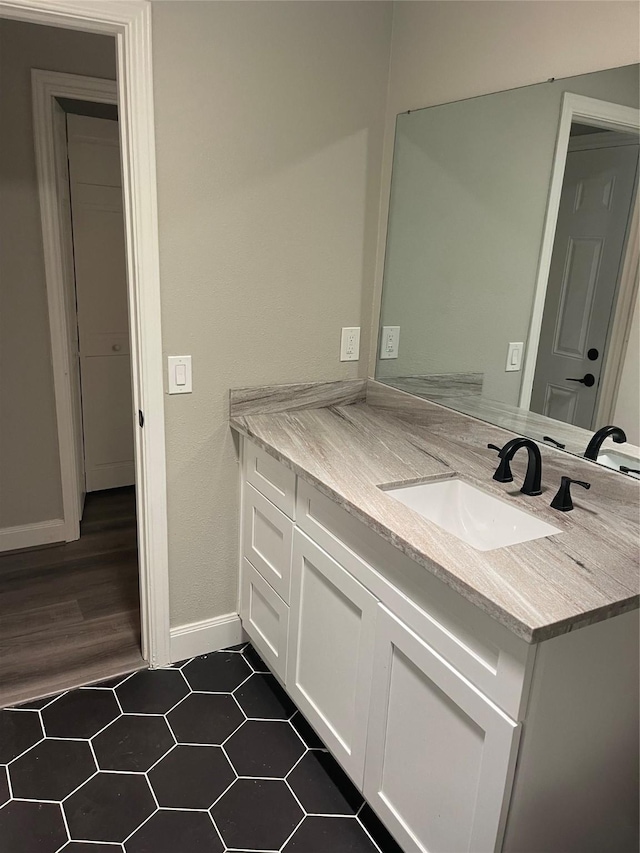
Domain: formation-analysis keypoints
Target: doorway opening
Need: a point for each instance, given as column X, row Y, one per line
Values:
column 106, row 617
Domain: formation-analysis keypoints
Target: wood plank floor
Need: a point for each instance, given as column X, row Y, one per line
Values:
column 69, row 614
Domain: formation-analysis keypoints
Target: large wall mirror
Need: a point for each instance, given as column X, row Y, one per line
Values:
column 511, row 268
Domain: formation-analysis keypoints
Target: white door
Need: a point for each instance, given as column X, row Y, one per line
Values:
column 101, row 297
column 330, row 657
column 590, row 236
column 440, row 756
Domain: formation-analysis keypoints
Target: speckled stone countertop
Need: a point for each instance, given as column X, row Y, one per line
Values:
column 349, row 438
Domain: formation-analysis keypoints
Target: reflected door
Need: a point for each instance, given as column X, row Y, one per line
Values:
column 590, row 237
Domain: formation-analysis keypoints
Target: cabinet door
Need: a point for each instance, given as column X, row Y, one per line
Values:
column 265, row 618
column 331, row 640
column 440, row 756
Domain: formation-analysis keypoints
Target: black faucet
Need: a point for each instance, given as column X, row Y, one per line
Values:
column 531, row 485
column 593, row 448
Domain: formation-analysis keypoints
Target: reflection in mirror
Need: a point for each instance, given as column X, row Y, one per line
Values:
column 511, row 269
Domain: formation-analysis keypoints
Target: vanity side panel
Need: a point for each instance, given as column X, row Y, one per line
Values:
column 576, row 784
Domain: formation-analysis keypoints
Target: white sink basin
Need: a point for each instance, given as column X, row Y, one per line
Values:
column 612, row 459
column 479, row 519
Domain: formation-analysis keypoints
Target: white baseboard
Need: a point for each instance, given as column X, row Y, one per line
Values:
column 32, row 535
column 210, row 635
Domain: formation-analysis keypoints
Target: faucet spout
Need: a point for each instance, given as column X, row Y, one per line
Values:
column 533, row 477
column 611, row 431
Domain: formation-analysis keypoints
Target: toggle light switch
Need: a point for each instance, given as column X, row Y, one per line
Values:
column 179, row 374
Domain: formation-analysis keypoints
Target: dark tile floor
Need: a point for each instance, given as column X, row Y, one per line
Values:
column 204, row 757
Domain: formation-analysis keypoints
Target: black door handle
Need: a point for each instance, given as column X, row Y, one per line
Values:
column 588, row 379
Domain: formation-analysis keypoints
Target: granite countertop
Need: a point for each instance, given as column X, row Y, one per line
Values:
column 349, row 438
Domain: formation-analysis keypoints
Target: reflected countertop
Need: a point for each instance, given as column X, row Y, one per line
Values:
column 349, row 438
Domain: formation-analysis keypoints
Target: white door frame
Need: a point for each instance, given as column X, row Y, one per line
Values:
column 129, row 21
column 587, row 111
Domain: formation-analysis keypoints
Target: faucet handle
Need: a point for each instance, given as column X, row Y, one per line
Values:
column 503, row 471
column 562, row 501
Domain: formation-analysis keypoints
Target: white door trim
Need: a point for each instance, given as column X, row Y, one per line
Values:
column 130, row 22
column 587, row 111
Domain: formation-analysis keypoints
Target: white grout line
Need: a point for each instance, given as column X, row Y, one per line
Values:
column 220, row 796
column 146, row 820
column 77, row 788
column 215, row 826
column 168, row 752
column 66, row 825
column 24, row 752
column 289, row 772
column 294, row 831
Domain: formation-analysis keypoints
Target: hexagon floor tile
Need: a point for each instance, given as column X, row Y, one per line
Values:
column 205, row 718
column 19, row 730
column 80, row 713
column 51, row 770
column 191, row 777
column 132, row 743
column 109, row 807
column 267, row 748
column 247, row 773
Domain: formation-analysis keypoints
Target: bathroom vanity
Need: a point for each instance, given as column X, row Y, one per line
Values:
column 482, row 700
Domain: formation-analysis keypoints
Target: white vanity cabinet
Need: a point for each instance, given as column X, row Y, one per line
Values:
column 439, row 753
column 451, row 725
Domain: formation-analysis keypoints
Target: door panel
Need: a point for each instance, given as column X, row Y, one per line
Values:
column 101, row 298
column 434, row 741
column 593, row 218
column 331, row 637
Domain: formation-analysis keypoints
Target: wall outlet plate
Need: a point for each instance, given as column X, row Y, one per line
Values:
column 350, row 344
column 389, row 341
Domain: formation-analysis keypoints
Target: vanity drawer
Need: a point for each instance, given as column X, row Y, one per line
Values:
column 267, row 540
column 265, row 618
column 490, row 656
column 270, row 478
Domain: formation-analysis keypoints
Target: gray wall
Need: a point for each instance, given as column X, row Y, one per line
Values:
column 468, row 201
column 269, row 121
column 30, row 489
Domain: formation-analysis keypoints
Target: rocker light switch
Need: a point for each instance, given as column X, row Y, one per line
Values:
column 179, row 374
column 514, row 356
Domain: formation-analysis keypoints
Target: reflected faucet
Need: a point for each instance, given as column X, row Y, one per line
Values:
column 533, row 477
column 593, row 448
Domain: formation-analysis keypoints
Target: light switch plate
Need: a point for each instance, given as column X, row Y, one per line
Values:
column 514, row 356
column 389, row 341
column 350, row 344
column 179, row 374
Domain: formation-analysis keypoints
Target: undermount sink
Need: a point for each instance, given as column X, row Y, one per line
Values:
column 612, row 459
column 479, row 519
